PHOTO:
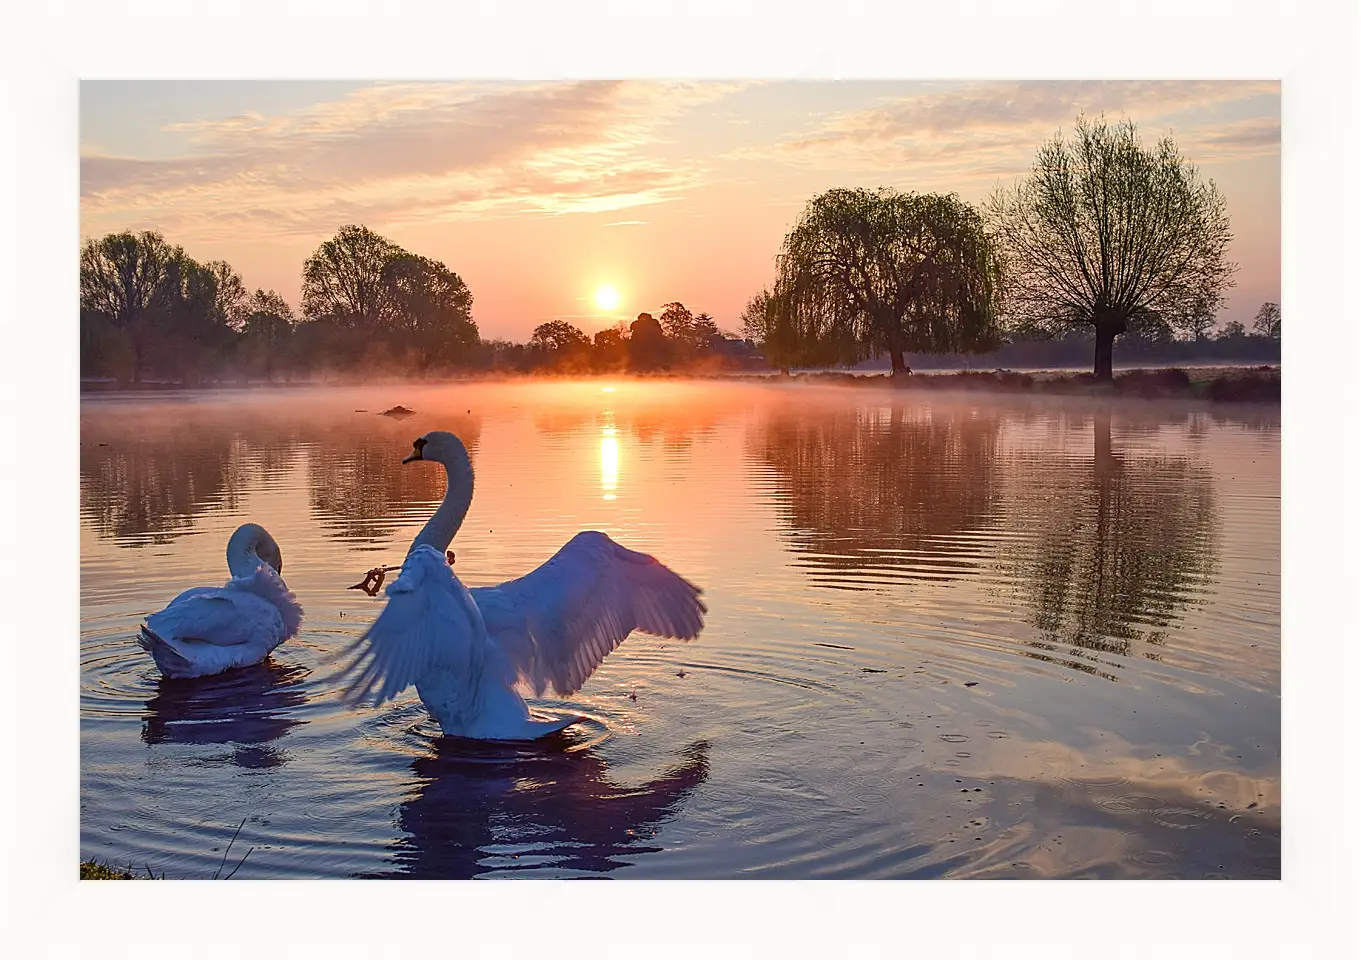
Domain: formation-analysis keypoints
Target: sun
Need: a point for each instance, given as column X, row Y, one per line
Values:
column 607, row 298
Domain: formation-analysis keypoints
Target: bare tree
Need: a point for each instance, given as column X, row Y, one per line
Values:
column 1267, row 323
column 869, row 272
column 1104, row 232
column 1198, row 325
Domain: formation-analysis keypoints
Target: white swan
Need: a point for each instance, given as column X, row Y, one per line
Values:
column 470, row 653
column 207, row 630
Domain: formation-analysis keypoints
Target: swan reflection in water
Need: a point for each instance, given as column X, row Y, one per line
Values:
column 483, row 808
column 249, row 708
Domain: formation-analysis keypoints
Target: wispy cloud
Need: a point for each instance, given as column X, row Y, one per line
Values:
column 396, row 153
column 627, row 223
column 984, row 130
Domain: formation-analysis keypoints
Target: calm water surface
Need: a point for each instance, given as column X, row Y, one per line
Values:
column 948, row 636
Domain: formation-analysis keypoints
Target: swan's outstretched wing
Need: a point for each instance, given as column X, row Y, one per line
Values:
column 559, row 622
column 429, row 622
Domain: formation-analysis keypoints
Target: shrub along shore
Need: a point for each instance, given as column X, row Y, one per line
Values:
column 1228, row 385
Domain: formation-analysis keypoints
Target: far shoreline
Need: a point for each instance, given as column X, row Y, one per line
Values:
column 1218, row 383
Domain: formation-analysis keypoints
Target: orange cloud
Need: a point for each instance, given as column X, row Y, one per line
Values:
column 396, row 153
column 985, row 130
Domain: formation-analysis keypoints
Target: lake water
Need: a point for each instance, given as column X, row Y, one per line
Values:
column 948, row 636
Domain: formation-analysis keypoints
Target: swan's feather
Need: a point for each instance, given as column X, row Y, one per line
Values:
column 206, row 630
column 221, row 616
column 557, row 623
column 171, row 661
column 429, row 622
column 265, row 582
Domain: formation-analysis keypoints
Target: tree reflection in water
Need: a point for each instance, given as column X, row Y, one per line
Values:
column 482, row 809
column 1120, row 546
column 359, row 489
column 874, row 495
column 250, row 708
column 141, row 486
column 1106, row 552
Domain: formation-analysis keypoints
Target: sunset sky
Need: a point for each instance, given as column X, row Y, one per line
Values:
column 539, row 195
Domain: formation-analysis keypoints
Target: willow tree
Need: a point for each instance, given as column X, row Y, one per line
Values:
column 770, row 320
column 874, row 272
column 1107, row 234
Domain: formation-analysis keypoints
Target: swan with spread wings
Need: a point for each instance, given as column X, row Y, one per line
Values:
column 472, row 653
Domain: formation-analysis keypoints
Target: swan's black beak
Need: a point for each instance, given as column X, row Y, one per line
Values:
column 415, row 455
column 418, row 445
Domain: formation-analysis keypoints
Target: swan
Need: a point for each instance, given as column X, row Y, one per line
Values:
column 470, row 653
column 207, row 630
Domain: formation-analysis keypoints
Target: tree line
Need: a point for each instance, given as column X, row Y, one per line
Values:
column 1104, row 238
column 368, row 305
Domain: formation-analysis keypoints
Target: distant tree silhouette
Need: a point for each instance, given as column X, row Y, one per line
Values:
column 343, row 282
column 431, row 311
column 1198, row 326
column 1105, row 233
column 267, row 333
column 229, row 294
column 647, row 344
column 122, row 283
column 1267, row 323
column 1233, row 330
column 561, row 346
column 874, row 272
column 385, row 305
column 557, row 335
column 196, row 309
column 609, row 352
column 676, row 321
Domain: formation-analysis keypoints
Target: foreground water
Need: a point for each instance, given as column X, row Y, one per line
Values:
column 948, row 636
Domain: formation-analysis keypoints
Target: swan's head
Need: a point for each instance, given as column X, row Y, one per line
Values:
column 253, row 539
column 439, row 446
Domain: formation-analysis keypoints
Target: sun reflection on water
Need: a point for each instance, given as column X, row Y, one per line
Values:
column 609, row 462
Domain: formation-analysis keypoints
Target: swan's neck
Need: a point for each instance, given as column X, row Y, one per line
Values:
column 243, row 550
column 439, row 531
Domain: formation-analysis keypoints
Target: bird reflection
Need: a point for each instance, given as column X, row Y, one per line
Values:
column 1121, row 546
column 481, row 808
column 874, row 495
column 249, row 708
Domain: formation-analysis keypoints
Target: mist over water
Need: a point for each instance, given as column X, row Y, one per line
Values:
column 948, row 635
